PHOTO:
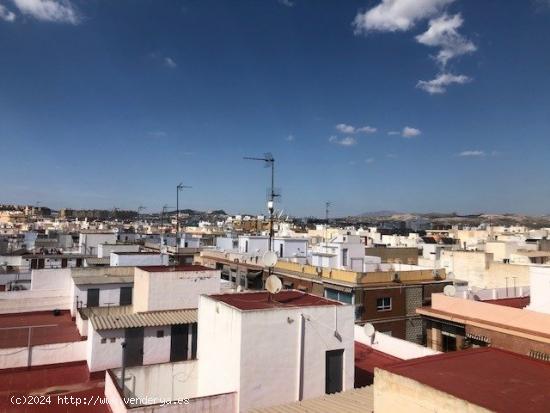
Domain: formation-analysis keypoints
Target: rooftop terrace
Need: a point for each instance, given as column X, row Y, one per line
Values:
column 283, row 299
column 47, row 329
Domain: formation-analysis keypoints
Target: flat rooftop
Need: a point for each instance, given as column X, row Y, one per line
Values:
column 494, row 379
column 515, row 302
column 174, row 268
column 47, row 329
column 260, row 300
column 69, row 379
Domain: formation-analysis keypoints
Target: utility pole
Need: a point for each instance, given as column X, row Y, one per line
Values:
column 269, row 162
column 179, row 187
column 327, row 206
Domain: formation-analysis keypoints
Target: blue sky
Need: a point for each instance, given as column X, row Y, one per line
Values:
column 424, row 105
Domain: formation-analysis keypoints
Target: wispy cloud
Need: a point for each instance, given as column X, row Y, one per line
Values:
column 397, row 15
column 6, row 15
column 346, row 141
column 394, row 132
column 440, row 83
column 409, row 132
column 472, row 153
column 287, row 3
column 58, row 11
column 443, row 33
column 369, row 160
column 290, row 138
column 345, row 128
column 169, row 62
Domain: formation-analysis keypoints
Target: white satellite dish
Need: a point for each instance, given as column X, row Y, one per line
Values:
column 273, row 284
column 269, row 259
column 449, row 290
column 369, row 330
column 239, row 288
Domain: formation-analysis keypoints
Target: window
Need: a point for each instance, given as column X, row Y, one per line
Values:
column 280, row 250
column 160, row 333
column 383, row 303
column 344, row 257
column 341, row 296
column 112, row 339
column 103, row 340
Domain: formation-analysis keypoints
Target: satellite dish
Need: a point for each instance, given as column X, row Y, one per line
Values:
column 239, row 288
column 369, row 330
column 449, row 291
column 269, row 259
column 273, row 284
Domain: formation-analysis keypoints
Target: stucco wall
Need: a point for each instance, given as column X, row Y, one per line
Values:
column 43, row 354
column 394, row 393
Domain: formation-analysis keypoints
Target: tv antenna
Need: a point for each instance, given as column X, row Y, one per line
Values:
column 179, row 188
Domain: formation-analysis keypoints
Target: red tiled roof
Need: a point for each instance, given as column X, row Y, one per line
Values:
column 366, row 359
column 72, row 379
column 495, row 379
column 516, row 302
column 171, row 268
column 259, row 300
column 63, row 329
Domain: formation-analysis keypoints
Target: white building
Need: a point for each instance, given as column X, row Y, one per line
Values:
column 89, row 240
column 345, row 252
column 104, row 250
column 253, row 351
column 127, row 259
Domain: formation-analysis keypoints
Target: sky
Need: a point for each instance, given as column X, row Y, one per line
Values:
column 404, row 105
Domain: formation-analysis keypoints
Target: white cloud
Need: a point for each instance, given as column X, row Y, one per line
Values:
column 443, row 33
column 6, row 15
column 347, row 141
column 287, row 3
column 59, row 11
column 290, row 138
column 394, row 132
column 344, row 128
column 439, row 84
column 369, row 160
column 366, row 129
column 169, row 62
column 397, row 15
column 409, row 132
column 476, row 152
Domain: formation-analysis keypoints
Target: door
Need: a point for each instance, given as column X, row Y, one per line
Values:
column 179, row 343
column 63, row 262
column 93, row 297
column 41, row 263
column 134, row 346
column 333, row 374
column 125, row 295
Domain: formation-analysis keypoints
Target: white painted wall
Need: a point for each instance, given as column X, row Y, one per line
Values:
column 43, row 354
column 292, row 247
column 108, row 355
column 88, row 242
column 104, row 250
column 393, row 346
column 170, row 290
column 260, row 351
column 539, row 278
column 109, row 294
column 29, row 300
column 51, row 279
column 130, row 260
